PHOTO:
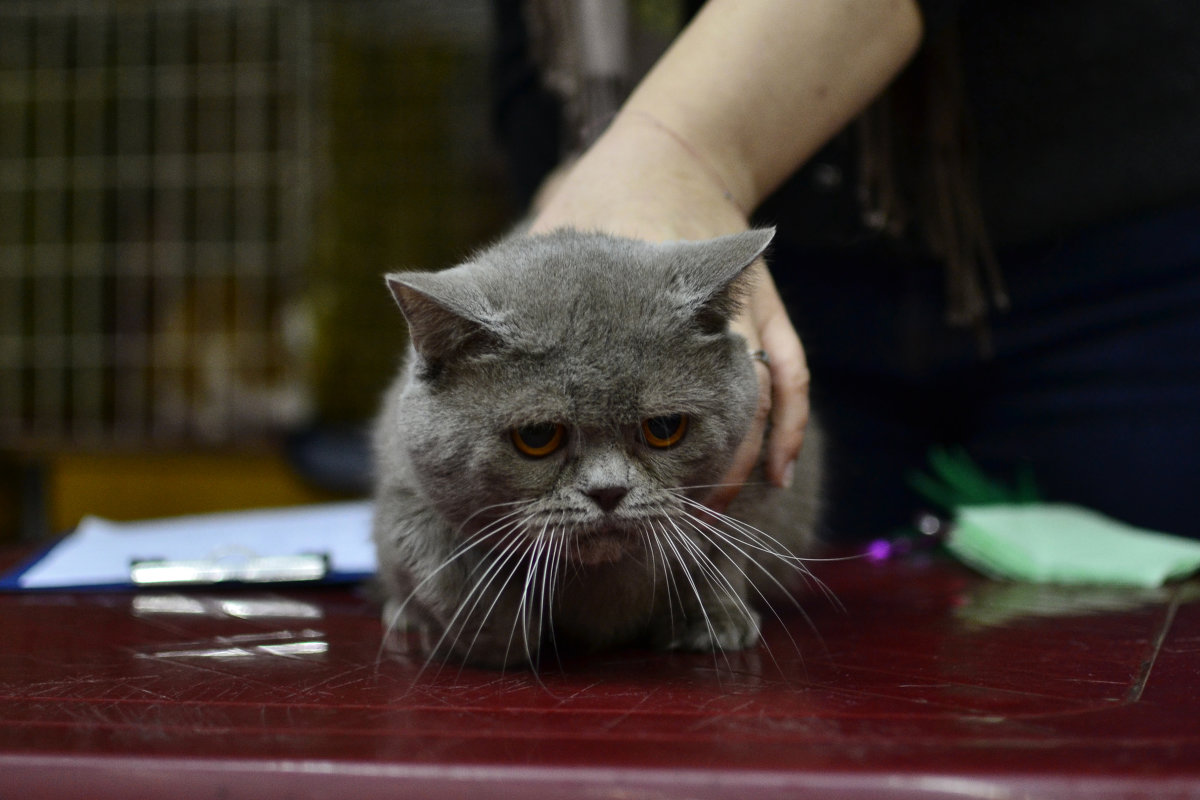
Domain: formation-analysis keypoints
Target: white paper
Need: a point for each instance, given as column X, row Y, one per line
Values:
column 99, row 552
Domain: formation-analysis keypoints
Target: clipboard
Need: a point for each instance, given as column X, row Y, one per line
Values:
column 325, row 543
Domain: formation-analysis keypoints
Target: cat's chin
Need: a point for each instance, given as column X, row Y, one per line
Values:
column 606, row 546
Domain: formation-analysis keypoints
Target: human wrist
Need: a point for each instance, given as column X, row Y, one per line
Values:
column 739, row 199
column 642, row 179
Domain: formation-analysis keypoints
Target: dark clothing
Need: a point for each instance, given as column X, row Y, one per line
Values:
column 1094, row 382
column 526, row 117
column 1084, row 111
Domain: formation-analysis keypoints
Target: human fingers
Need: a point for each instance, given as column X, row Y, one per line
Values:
column 789, row 376
column 789, row 398
column 748, row 453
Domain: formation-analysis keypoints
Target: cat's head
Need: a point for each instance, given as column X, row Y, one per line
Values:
column 575, row 386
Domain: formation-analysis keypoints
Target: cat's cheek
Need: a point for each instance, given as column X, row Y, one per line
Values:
column 669, row 472
column 451, row 471
column 705, row 454
column 512, row 476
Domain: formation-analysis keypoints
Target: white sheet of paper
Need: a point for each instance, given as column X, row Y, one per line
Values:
column 99, row 552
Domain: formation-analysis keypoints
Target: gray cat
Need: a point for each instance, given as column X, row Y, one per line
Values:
column 568, row 403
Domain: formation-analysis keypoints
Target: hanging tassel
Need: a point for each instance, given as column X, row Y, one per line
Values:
column 917, row 161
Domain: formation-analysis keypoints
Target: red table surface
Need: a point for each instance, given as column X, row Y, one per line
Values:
column 923, row 680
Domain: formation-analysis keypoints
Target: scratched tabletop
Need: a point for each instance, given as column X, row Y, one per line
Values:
column 920, row 679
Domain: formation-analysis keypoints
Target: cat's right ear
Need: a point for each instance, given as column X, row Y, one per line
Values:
column 440, row 322
column 714, row 274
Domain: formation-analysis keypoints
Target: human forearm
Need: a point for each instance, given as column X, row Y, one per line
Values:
column 757, row 86
column 747, row 92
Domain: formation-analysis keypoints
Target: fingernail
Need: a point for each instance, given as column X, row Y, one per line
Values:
column 789, row 475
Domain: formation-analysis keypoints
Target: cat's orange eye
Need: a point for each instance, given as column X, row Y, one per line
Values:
column 538, row 441
column 664, row 431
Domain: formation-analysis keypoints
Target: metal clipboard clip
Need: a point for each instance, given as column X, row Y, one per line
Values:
column 232, row 565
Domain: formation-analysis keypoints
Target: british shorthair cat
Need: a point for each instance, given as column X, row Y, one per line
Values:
column 568, row 403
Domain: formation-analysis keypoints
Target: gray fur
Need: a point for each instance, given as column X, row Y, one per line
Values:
column 489, row 552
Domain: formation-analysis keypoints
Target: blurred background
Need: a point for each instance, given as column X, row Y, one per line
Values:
column 197, row 201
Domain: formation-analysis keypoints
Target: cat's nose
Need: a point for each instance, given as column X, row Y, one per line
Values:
column 607, row 497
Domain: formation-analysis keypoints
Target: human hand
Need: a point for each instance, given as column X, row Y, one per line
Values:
column 783, row 381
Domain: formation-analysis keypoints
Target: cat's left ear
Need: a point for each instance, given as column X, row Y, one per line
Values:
column 444, row 317
column 713, row 273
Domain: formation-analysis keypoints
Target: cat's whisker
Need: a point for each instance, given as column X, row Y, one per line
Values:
column 663, row 540
column 551, row 587
column 701, row 526
column 517, row 554
column 461, row 550
column 716, row 583
column 496, row 529
column 723, row 541
column 766, row 543
column 669, row 571
column 521, row 617
column 671, row 537
column 554, row 585
column 492, row 507
column 718, row 537
column 714, row 570
column 509, row 552
column 525, row 609
column 649, row 562
column 541, row 585
column 536, row 588
column 509, row 540
column 799, row 569
column 760, row 539
column 398, row 613
column 653, row 545
column 691, row 487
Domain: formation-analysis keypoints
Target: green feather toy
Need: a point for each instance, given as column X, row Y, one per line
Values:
column 1009, row 532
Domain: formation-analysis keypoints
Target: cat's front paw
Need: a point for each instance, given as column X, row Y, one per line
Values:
column 735, row 631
